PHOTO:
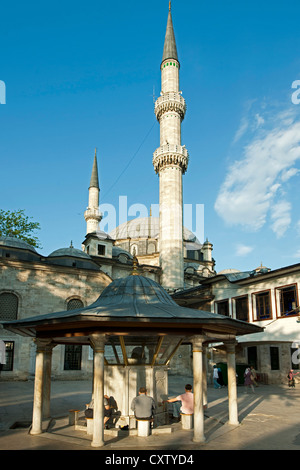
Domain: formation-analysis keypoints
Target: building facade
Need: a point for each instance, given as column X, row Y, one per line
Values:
column 269, row 299
column 69, row 278
column 167, row 252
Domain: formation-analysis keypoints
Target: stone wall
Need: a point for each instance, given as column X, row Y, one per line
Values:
column 43, row 289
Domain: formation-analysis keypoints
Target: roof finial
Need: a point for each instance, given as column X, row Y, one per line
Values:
column 170, row 6
column 135, row 264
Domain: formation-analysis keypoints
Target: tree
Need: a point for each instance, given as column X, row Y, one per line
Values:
column 17, row 224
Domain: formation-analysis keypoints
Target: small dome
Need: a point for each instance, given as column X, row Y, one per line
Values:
column 14, row 242
column 134, row 289
column 71, row 252
column 262, row 269
column 101, row 235
column 117, row 251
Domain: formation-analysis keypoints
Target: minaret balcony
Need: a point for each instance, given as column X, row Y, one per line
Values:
column 170, row 155
column 93, row 213
column 170, row 102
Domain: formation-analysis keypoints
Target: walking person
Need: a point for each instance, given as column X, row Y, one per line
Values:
column 253, row 376
column 248, row 379
column 291, row 380
column 216, row 377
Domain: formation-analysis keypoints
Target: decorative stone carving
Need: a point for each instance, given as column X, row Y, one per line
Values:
column 93, row 213
column 170, row 155
column 170, row 102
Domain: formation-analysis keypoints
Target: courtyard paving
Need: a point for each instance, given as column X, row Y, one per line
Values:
column 269, row 420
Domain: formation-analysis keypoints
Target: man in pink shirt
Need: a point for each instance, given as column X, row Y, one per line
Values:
column 183, row 403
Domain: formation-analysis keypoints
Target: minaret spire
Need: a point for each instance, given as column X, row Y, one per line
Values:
column 170, row 49
column 94, row 178
column 92, row 215
column 170, row 162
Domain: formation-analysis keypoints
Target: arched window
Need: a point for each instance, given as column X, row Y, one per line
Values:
column 74, row 303
column 151, row 248
column 8, row 306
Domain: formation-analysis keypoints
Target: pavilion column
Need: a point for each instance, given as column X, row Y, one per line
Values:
column 97, row 343
column 198, row 388
column 47, row 380
column 232, row 387
column 39, row 382
column 204, row 376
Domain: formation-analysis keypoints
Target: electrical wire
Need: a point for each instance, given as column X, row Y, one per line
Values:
column 130, row 161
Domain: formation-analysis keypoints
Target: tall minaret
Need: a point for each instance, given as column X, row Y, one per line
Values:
column 92, row 215
column 170, row 162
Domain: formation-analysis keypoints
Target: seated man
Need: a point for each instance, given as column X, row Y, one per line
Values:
column 183, row 403
column 143, row 406
column 89, row 412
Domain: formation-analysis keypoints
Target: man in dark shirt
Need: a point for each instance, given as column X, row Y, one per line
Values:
column 89, row 412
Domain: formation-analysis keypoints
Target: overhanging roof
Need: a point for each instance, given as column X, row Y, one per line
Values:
column 131, row 305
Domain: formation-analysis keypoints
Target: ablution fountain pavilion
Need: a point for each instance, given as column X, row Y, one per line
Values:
column 134, row 329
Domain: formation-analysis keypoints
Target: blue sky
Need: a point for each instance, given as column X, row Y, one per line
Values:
column 81, row 75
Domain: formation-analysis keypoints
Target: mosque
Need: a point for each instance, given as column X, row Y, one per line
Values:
column 70, row 278
column 167, row 253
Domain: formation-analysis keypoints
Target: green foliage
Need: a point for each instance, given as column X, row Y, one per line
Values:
column 17, row 224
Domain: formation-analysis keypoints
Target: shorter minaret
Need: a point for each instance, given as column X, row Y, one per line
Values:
column 93, row 215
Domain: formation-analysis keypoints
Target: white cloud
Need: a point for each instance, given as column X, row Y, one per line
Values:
column 241, row 130
column 249, row 192
column 259, row 120
column 280, row 217
column 286, row 175
column 243, row 250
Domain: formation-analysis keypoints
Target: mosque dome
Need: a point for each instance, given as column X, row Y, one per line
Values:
column 148, row 227
column 141, row 227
